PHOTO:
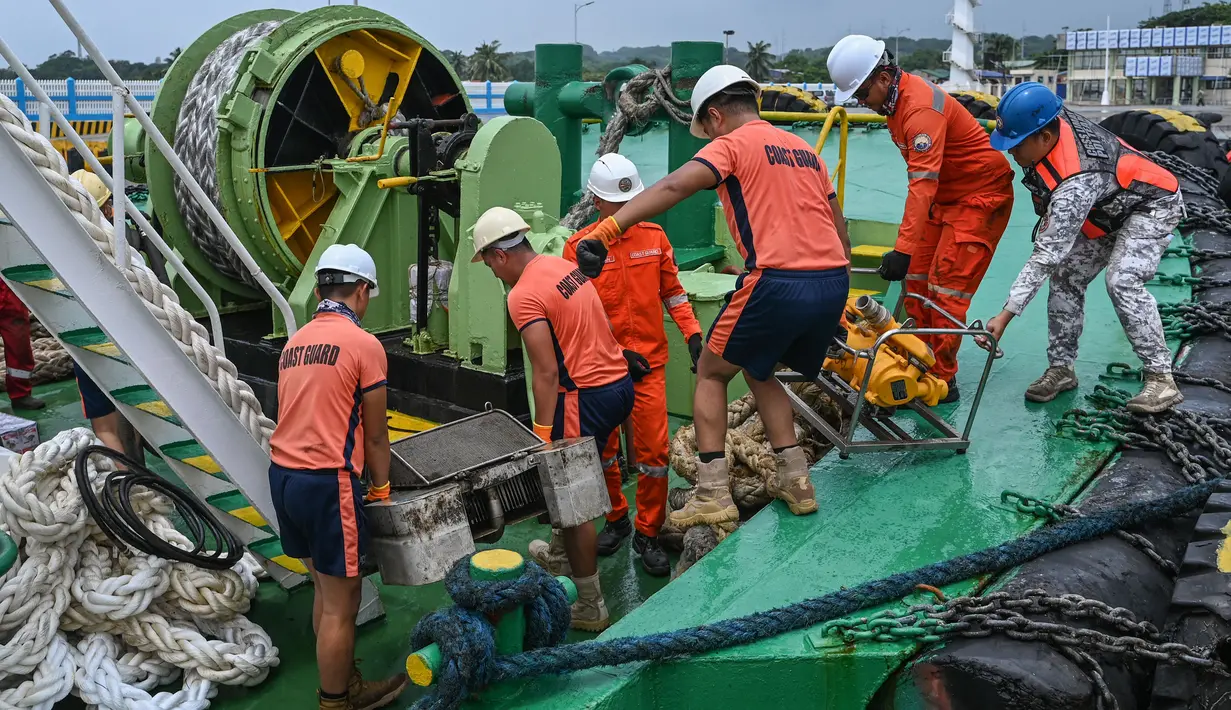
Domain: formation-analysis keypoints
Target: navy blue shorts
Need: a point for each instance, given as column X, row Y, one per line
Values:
column 774, row 316
column 320, row 517
column 593, row 411
column 94, row 402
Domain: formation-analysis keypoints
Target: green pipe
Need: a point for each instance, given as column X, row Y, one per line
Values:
column 555, row 66
column 690, row 224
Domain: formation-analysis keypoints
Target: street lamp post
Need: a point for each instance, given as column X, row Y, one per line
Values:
column 576, row 9
column 897, row 37
column 726, row 52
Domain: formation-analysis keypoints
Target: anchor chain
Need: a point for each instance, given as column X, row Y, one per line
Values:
column 1190, row 319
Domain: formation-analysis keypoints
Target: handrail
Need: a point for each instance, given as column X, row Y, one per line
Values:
column 803, row 117
column 185, row 175
column 215, row 320
column 838, row 113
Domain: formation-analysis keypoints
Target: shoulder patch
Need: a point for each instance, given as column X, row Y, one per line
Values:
column 922, row 143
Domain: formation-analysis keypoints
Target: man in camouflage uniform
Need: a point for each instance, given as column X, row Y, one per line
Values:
column 1102, row 205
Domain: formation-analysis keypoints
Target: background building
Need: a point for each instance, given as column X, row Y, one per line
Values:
column 1162, row 65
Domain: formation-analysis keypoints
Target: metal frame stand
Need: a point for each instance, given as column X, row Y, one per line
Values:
column 889, row 436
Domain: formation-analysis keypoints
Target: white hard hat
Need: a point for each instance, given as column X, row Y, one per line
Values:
column 497, row 227
column 93, row 184
column 614, row 178
column 851, row 62
column 713, row 81
column 351, row 260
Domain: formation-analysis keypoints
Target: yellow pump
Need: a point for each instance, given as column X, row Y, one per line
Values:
column 899, row 370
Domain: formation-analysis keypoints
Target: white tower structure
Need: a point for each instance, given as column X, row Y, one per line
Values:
column 961, row 52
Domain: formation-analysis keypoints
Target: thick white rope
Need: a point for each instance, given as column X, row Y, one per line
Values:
column 163, row 303
column 79, row 613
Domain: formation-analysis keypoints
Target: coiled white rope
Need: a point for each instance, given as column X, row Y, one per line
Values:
column 80, row 614
column 163, row 303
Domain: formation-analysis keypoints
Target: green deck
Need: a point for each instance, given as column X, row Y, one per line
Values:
column 879, row 514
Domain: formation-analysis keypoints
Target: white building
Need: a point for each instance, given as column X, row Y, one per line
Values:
column 1162, row 65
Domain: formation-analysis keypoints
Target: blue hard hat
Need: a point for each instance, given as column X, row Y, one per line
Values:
column 1025, row 109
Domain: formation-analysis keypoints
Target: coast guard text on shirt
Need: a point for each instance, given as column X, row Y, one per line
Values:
column 793, row 157
column 314, row 354
column 572, row 281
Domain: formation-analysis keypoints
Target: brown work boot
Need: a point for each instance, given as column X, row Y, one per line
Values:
column 1051, row 384
column 366, row 695
column 590, row 611
column 551, row 556
column 339, row 704
column 712, row 504
column 1158, row 395
column 793, row 484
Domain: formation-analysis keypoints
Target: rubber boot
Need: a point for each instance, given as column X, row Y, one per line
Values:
column 613, row 535
column 590, row 611
column 552, row 556
column 1158, row 395
column 793, row 484
column 367, row 695
column 1054, row 381
column 712, row 504
column 653, row 558
column 953, row 395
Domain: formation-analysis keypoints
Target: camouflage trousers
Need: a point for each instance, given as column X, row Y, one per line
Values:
column 1130, row 255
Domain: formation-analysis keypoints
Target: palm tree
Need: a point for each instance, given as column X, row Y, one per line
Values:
column 486, row 64
column 759, row 60
column 997, row 49
column 458, row 60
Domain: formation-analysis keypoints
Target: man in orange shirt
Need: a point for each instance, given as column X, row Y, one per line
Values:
column 784, row 216
column 581, row 379
column 638, row 279
column 960, row 194
column 331, row 422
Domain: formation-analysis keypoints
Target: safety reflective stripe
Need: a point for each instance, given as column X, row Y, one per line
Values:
column 916, row 277
column 938, row 97
column 927, row 175
column 653, row 471
column 19, row 374
column 674, row 301
column 949, row 291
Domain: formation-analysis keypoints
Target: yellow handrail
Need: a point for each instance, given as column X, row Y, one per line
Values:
column 799, row 116
column 836, row 114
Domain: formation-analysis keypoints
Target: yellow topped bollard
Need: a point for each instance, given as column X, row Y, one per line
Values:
column 510, row 628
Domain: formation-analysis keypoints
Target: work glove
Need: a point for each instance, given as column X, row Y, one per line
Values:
column 894, row 265
column 377, row 494
column 592, row 251
column 638, row 366
column 694, row 349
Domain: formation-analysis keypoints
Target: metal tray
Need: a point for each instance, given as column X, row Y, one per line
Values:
column 450, row 450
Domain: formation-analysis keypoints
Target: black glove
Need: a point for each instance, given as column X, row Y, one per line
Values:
column 591, row 255
column 694, row 350
column 894, row 265
column 638, row 366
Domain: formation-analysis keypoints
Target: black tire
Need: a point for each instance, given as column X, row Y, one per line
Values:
column 790, row 99
column 1208, row 118
column 977, row 107
column 1173, row 133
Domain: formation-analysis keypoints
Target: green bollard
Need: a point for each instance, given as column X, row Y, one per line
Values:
column 690, row 224
column 488, row 566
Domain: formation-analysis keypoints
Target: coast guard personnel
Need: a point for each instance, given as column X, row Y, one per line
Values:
column 960, row 194
column 331, row 423
column 639, row 279
column 581, row 379
column 1103, row 205
column 783, row 212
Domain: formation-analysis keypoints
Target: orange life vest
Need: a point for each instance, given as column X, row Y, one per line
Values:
column 1086, row 147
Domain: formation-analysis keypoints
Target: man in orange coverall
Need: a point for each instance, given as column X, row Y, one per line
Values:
column 638, row 280
column 961, row 191
column 18, row 351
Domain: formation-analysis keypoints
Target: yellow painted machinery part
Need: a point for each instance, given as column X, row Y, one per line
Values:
column 806, row 96
column 988, row 99
column 63, row 146
column 895, row 380
column 301, row 202
column 1179, row 119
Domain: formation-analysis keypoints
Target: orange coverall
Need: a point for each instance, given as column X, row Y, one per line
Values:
column 961, row 194
column 638, row 280
column 18, row 351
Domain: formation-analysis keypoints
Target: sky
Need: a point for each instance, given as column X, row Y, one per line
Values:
column 140, row 30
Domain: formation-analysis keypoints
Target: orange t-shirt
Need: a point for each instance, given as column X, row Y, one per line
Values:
column 948, row 156
column 775, row 191
column 324, row 371
column 554, row 290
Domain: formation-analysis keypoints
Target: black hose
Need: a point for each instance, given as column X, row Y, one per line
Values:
column 114, row 515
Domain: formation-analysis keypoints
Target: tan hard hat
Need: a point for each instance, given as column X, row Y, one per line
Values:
column 496, row 225
column 93, row 185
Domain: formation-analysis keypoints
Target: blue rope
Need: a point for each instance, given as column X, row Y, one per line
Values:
column 467, row 639
column 553, row 659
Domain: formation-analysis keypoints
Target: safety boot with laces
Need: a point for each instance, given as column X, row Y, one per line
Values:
column 334, row 703
column 792, row 483
column 1051, row 384
column 590, row 611
column 368, row 695
column 1158, row 395
column 712, row 504
column 552, row 556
